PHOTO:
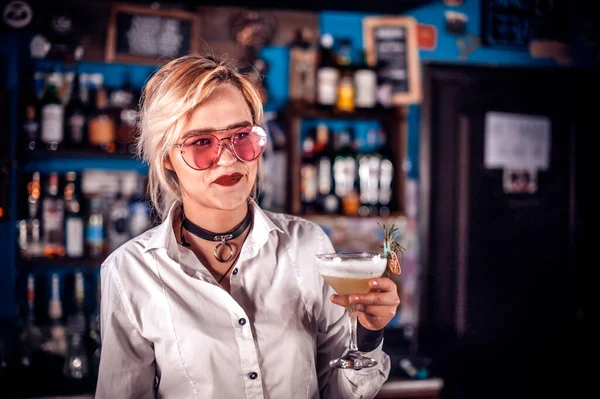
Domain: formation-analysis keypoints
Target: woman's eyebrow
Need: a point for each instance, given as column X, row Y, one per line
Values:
column 195, row 132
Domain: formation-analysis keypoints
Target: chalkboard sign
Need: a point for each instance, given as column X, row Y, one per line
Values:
column 516, row 23
column 144, row 35
column 391, row 46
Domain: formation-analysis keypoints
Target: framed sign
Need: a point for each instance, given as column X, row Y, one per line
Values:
column 140, row 34
column 391, row 46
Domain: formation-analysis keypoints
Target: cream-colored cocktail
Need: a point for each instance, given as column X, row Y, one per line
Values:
column 347, row 274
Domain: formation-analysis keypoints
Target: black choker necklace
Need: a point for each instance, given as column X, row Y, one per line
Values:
column 210, row 236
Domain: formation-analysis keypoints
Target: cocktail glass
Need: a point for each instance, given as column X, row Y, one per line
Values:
column 349, row 273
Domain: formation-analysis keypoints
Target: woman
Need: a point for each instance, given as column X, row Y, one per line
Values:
column 222, row 299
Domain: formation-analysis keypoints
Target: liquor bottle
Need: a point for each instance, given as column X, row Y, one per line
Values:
column 57, row 342
column 30, row 242
column 77, row 320
column 124, row 100
column 308, row 175
column 52, row 113
column 118, row 221
column 345, row 172
column 76, row 360
column 101, row 125
column 365, row 83
column 75, row 115
column 73, row 220
column 34, row 191
column 30, row 128
column 95, row 230
column 94, row 331
column 369, row 163
column 328, row 73
column 53, row 218
column 31, row 335
column 139, row 221
column 327, row 201
column 386, row 176
column 346, row 91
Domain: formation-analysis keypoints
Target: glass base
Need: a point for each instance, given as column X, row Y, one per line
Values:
column 353, row 360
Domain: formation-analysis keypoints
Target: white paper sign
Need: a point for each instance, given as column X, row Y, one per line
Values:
column 517, row 141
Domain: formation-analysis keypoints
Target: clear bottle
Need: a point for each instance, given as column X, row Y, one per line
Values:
column 30, row 127
column 118, row 222
column 53, row 218
column 308, row 175
column 77, row 320
column 94, row 331
column 328, row 73
column 57, row 342
column 76, row 115
column 31, row 335
column 30, row 242
column 139, row 221
column 76, row 358
column 73, row 219
column 52, row 114
column 386, row 177
column 345, row 173
column 95, row 230
column 326, row 200
column 124, row 99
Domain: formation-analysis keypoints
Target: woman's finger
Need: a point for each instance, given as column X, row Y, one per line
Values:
column 376, row 299
column 383, row 284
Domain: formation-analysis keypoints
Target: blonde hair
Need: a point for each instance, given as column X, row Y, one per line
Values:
column 168, row 99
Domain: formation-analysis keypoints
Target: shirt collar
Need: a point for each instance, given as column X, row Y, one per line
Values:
column 163, row 235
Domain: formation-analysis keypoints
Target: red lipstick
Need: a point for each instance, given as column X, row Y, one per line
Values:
column 228, row 180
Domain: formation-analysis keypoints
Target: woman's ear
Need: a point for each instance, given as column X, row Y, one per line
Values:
column 167, row 163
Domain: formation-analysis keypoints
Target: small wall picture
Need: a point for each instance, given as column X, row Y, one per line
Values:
column 456, row 22
column 520, row 181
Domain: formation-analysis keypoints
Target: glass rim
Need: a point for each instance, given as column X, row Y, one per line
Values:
column 364, row 255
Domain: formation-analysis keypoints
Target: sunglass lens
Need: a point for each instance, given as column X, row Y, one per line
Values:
column 200, row 151
column 250, row 143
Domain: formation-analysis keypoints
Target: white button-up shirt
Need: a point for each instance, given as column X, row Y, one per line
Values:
column 169, row 330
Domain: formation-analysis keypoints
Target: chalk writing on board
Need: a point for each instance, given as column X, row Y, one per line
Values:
column 142, row 34
column 151, row 36
column 390, row 46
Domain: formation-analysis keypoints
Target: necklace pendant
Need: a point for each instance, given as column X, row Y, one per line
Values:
column 216, row 252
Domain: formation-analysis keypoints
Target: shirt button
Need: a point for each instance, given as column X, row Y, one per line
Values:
column 242, row 321
column 252, row 375
column 234, row 272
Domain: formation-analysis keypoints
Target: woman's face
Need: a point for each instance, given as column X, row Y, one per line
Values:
column 227, row 184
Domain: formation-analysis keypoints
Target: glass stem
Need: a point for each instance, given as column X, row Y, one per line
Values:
column 352, row 316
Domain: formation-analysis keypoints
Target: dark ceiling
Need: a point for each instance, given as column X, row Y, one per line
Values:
column 375, row 6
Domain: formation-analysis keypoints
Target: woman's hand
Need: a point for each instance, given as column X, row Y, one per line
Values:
column 378, row 306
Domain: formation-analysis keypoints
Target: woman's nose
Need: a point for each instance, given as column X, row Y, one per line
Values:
column 227, row 158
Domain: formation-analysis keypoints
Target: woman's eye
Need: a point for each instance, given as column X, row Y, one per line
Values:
column 202, row 142
column 241, row 136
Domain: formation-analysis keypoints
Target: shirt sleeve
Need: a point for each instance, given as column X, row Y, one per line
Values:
column 127, row 363
column 332, row 341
